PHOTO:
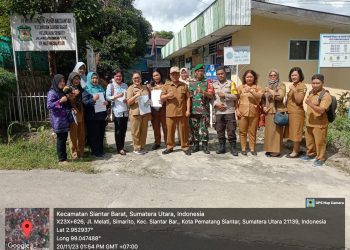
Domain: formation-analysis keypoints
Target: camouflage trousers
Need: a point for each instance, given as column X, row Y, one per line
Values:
column 199, row 125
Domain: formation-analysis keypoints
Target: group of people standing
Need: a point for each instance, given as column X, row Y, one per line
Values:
column 72, row 112
column 185, row 108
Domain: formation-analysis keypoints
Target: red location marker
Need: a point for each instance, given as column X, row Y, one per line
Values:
column 27, row 228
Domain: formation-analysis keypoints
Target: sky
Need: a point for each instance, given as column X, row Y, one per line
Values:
column 174, row 15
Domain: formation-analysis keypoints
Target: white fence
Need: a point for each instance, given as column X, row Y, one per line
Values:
column 33, row 108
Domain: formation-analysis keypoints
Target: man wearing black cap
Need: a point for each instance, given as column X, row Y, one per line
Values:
column 201, row 93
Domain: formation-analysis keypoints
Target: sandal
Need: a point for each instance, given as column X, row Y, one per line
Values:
column 293, row 156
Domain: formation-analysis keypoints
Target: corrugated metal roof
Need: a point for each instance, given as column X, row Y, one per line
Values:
column 224, row 17
column 220, row 15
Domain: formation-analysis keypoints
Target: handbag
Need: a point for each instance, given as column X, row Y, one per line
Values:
column 280, row 118
column 110, row 114
column 261, row 118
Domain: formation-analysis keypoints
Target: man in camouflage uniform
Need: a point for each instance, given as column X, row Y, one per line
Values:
column 201, row 93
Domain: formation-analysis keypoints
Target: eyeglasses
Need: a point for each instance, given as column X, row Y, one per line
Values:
column 136, row 78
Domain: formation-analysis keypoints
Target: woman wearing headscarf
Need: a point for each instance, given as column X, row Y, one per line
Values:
column 95, row 119
column 273, row 102
column 184, row 76
column 80, row 68
column 57, row 103
column 76, row 128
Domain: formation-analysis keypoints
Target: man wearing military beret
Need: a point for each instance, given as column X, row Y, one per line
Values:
column 201, row 93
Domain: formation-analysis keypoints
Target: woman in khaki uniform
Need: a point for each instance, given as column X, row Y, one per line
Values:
column 295, row 98
column 273, row 102
column 139, row 123
column 158, row 114
column 77, row 128
column 248, row 110
column 318, row 102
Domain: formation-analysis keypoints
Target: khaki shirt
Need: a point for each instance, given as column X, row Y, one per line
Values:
column 314, row 119
column 249, row 105
column 292, row 106
column 276, row 101
column 228, row 100
column 132, row 90
column 176, row 106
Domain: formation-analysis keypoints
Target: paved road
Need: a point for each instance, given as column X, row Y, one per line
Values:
column 177, row 180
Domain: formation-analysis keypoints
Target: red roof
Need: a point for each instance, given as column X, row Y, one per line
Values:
column 160, row 41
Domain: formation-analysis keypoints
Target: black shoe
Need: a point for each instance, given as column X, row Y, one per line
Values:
column 167, row 151
column 155, row 146
column 244, row 152
column 205, row 148
column 268, row 154
column 234, row 151
column 187, row 152
column 195, row 147
column 253, row 153
column 222, row 147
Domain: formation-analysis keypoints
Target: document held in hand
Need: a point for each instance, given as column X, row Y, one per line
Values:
column 144, row 104
column 155, row 97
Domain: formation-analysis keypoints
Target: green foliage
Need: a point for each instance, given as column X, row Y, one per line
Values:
column 119, row 22
column 165, row 34
column 7, row 85
column 343, row 103
column 116, row 51
column 99, row 23
column 338, row 136
column 7, row 81
column 36, row 150
column 5, row 6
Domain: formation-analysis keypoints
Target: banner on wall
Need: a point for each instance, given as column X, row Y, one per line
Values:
column 45, row 32
column 334, row 50
column 237, row 55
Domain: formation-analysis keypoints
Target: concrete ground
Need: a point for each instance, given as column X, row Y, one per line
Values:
column 177, row 180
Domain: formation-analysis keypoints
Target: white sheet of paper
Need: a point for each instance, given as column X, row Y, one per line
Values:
column 121, row 99
column 144, row 104
column 99, row 106
column 121, row 106
column 74, row 117
column 155, row 97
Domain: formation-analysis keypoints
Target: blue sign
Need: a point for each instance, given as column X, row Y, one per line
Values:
column 210, row 72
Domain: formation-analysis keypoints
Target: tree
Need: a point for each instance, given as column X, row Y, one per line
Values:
column 5, row 6
column 165, row 34
column 114, row 28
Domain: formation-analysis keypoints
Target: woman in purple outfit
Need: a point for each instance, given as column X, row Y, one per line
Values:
column 57, row 103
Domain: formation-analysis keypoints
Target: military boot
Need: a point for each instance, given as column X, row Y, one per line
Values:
column 205, row 147
column 234, row 151
column 222, row 147
column 195, row 147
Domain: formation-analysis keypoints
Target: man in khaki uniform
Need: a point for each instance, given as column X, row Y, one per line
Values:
column 318, row 102
column 177, row 98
